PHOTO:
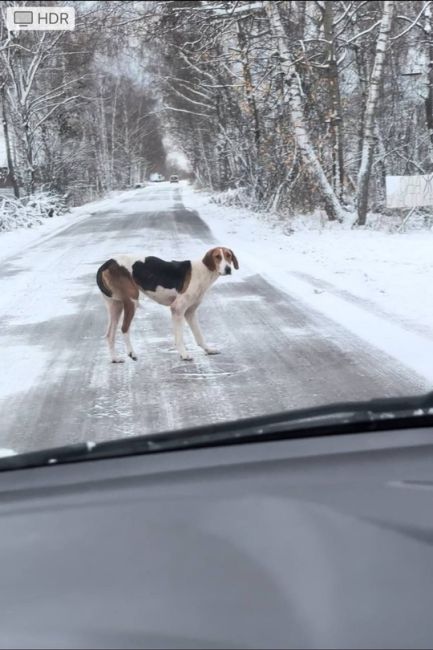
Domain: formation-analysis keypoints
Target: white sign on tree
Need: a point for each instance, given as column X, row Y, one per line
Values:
column 409, row 191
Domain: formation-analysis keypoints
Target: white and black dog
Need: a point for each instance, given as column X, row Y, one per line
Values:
column 178, row 285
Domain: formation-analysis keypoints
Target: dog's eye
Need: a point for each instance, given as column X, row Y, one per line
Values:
column 219, row 258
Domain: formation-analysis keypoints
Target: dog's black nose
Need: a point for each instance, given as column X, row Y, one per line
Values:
column 228, row 270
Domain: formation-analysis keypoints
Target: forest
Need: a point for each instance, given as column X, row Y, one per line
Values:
column 284, row 106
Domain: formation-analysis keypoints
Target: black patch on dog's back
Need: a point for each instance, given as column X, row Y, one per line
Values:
column 99, row 280
column 154, row 272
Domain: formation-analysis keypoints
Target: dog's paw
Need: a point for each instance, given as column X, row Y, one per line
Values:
column 212, row 351
column 186, row 357
column 133, row 356
column 117, row 360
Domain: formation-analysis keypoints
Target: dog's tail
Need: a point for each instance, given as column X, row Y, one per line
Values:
column 100, row 279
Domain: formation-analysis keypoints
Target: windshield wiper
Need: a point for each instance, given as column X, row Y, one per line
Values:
column 332, row 419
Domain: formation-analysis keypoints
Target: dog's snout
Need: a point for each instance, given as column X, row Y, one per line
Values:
column 228, row 270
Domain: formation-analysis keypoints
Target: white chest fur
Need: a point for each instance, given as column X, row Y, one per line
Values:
column 162, row 296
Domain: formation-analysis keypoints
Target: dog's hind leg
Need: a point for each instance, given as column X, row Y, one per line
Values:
column 129, row 307
column 115, row 308
column 107, row 305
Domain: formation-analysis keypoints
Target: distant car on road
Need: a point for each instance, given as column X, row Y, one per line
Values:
column 174, row 179
column 157, row 178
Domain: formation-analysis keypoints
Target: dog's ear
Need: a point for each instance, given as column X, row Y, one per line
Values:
column 209, row 260
column 235, row 259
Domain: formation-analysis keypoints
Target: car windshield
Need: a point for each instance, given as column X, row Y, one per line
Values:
column 210, row 211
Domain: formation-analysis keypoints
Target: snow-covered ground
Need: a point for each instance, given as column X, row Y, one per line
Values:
column 15, row 241
column 376, row 284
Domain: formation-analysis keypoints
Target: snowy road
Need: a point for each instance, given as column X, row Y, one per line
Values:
column 57, row 384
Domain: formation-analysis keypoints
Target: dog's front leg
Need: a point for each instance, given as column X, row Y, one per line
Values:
column 191, row 319
column 177, row 315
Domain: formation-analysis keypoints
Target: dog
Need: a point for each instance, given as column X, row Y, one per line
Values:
column 178, row 285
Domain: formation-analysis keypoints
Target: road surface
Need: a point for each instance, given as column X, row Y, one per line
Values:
column 58, row 386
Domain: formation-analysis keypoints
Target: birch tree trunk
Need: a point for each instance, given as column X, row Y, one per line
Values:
column 8, row 143
column 30, row 170
column 252, row 107
column 362, row 71
column 104, row 152
column 428, row 29
column 336, row 117
column 113, row 133
column 248, row 83
column 375, row 85
column 327, row 195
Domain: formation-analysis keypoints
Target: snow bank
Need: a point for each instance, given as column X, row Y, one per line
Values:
column 42, row 228
column 395, row 222
column 29, row 211
column 392, row 272
column 376, row 284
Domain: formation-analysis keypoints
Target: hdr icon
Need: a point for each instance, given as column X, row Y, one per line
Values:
column 53, row 18
column 26, row 18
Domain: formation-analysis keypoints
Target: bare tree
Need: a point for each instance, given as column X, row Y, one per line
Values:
column 374, row 87
column 336, row 112
column 325, row 192
column 11, row 167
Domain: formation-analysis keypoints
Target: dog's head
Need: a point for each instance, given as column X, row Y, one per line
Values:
column 220, row 260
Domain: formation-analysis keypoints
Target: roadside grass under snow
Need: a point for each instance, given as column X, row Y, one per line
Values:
column 29, row 211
